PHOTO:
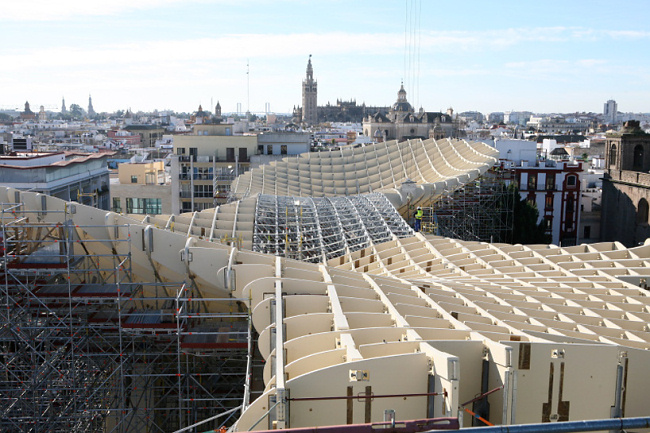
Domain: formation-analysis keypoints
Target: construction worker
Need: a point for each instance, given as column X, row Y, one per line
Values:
column 418, row 218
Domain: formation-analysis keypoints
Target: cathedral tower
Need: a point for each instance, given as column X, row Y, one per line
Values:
column 309, row 99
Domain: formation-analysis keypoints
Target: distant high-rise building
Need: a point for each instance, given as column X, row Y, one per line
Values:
column 610, row 111
column 309, row 97
column 63, row 109
column 91, row 110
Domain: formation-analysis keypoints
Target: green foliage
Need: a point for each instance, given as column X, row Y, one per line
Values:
column 525, row 228
column 76, row 111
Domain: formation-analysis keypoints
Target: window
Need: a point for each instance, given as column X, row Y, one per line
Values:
column 150, row 178
column 571, row 180
column 151, row 206
column 194, row 153
column 587, row 232
column 550, row 182
column 548, row 205
column 203, row 191
column 269, row 149
column 612, row 154
column 283, row 149
column 532, row 182
column 638, row 158
column 203, row 173
column 230, row 154
column 185, row 175
column 134, row 178
column 180, row 151
column 117, row 207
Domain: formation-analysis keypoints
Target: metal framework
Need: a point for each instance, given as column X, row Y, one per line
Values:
column 430, row 166
column 318, row 229
column 86, row 347
column 481, row 210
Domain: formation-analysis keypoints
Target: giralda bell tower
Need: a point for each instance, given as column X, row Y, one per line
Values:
column 309, row 100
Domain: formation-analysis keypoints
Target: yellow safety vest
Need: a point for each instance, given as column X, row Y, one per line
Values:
column 418, row 214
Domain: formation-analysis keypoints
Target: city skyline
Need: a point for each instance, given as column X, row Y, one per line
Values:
column 145, row 55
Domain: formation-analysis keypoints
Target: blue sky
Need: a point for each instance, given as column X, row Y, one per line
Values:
column 552, row 56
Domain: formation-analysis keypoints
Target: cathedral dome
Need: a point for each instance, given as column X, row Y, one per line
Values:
column 402, row 104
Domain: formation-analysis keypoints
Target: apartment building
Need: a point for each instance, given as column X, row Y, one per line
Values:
column 205, row 163
column 143, row 188
column 552, row 186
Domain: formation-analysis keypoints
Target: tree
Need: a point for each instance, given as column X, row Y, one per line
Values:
column 76, row 111
column 525, row 228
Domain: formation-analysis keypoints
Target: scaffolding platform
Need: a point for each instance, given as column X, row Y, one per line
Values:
column 215, row 338
column 149, row 319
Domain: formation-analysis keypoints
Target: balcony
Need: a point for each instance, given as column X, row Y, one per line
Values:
column 210, row 159
column 226, row 177
column 188, row 176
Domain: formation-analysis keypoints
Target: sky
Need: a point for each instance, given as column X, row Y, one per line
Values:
column 544, row 57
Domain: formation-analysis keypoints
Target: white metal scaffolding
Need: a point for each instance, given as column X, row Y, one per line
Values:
column 85, row 346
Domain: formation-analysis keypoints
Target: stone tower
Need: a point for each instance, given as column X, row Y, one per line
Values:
column 63, row 109
column 309, row 97
column 91, row 110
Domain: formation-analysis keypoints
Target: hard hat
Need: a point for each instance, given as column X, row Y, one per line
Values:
column 419, row 208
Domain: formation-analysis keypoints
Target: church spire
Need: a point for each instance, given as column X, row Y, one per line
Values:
column 91, row 110
column 310, row 70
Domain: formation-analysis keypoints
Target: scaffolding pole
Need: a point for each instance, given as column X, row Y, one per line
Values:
column 481, row 210
column 87, row 346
